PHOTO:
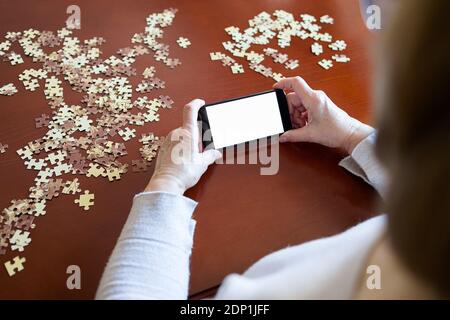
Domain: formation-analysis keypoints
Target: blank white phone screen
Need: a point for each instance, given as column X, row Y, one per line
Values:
column 244, row 120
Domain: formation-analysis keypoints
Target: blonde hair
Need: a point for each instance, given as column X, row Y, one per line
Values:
column 414, row 137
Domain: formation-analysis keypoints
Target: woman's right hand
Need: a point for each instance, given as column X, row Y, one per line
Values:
column 315, row 118
column 180, row 164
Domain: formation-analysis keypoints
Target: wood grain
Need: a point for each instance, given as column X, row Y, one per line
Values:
column 241, row 215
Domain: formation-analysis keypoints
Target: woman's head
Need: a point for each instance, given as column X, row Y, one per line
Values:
column 414, row 137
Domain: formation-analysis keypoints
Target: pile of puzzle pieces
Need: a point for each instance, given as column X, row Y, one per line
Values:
column 263, row 28
column 88, row 138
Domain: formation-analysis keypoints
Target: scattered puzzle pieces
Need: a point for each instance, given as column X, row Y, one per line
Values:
column 78, row 136
column 283, row 27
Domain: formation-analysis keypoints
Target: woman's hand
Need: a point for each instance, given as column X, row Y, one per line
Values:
column 315, row 118
column 180, row 164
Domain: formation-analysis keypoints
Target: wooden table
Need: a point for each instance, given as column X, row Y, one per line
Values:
column 242, row 215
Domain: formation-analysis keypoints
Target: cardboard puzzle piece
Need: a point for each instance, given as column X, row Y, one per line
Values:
column 326, row 64
column 149, row 72
column 127, row 133
column 42, row 121
column 35, row 164
column 85, row 200
column 342, row 58
column 3, row 148
column 95, row 170
column 76, row 139
column 283, row 27
column 25, row 222
column 16, row 265
column 15, row 58
column 316, row 48
column 339, row 45
column 113, row 174
column 139, row 165
column 71, row 187
column 183, row 42
column 237, row 68
column 20, row 240
column 8, row 89
column 292, row 64
column 326, row 19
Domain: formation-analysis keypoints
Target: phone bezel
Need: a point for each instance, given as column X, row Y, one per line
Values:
column 282, row 106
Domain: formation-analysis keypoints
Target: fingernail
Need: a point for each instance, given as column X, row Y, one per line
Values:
column 195, row 101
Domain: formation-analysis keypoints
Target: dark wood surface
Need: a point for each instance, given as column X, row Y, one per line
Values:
column 242, row 215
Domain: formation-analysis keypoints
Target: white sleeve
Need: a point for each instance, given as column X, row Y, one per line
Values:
column 151, row 257
column 364, row 164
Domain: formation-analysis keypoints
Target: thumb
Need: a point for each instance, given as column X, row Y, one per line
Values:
column 210, row 156
column 297, row 135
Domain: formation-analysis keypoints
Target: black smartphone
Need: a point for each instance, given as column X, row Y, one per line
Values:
column 244, row 119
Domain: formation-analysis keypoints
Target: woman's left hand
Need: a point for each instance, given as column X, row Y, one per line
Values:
column 180, row 164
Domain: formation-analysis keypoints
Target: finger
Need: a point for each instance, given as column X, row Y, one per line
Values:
column 293, row 101
column 163, row 148
column 297, row 120
column 190, row 114
column 303, row 120
column 297, row 85
column 296, row 135
column 210, row 156
column 166, row 141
